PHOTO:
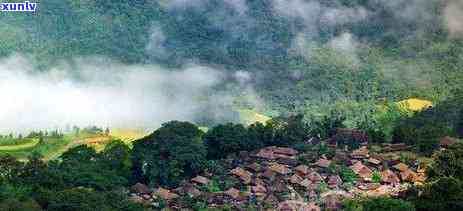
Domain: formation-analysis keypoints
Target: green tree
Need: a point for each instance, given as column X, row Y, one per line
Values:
column 80, row 199
column 10, row 168
column 459, row 127
column 13, row 204
column 223, row 140
column 259, row 135
column 444, row 194
column 288, row 131
column 82, row 166
column 116, row 156
column 378, row 204
column 447, row 163
column 172, row 153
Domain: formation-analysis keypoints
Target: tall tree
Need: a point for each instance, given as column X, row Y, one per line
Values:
column 172, row 153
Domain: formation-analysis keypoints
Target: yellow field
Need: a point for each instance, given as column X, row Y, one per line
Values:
column 414, row 104
column 27, row 145
column 248, row 117
column 127, row 135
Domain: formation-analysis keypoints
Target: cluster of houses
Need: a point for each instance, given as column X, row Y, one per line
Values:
column 275, row 179
column 278, row 178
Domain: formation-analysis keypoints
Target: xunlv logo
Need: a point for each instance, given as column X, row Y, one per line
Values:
column 18, row 7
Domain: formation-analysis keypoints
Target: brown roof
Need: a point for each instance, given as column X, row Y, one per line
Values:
column 401, row 167
column 193, row 192
column 382, row 190
column 408, row 176
column 244, row 175
column 324, row 163
column 361, row 170
column 305, row 183
column 140, row 189
column 362, row 152
column 293, row 205
column 233, row 193
column 332, row 202
column 268, row 174
column 369, row 186
column 334, row 181
column 295, row 179
column 254, row 167
column 395, row 147
column 257, row 181
column 285, row 151
column 302, row 169
column 165, row 194
column 389, row 176
column 271, row 153
column 265, row 154
column 312, row 207
column 374, row 161
column 200, row 180
column 280, row 169
column 258, row 189
column 315, row 177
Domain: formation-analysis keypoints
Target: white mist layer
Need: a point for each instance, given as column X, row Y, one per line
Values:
column 98, row 93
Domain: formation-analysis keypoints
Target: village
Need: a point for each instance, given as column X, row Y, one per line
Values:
column 276, row 179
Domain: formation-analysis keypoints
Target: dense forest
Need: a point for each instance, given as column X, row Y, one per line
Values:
column 315, row 67
column 301, row 55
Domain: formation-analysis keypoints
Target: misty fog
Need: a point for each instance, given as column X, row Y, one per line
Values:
column 96, row 92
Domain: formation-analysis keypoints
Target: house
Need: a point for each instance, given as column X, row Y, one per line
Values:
column 361, row 170
column 390, row 177
column 352, row 138
column 361, row 153
column 334, row 182
column 323, row 163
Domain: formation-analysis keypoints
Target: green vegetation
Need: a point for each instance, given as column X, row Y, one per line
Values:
column 444, row 188
column 172, row 153
column 378, row 204
column 223, row 140
column 376, row 177
column 248, row 117
column 14, row 145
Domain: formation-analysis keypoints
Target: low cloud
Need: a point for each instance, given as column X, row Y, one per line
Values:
column 103, row 93
column 453, row 14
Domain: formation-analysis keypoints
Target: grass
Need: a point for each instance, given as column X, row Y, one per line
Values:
column 26, row 144
column 53, row 147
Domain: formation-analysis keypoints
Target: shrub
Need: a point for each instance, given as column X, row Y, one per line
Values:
column 377, row 204
column 347, row 175
column 376, row 177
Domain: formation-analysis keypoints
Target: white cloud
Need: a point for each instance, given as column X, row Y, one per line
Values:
column 453, row 14
column 100, row 93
